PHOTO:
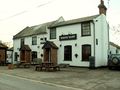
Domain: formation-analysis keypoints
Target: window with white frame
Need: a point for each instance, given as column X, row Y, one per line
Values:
column 22, row 42
column 34, row 40
column 85, row 29
column 53, row 33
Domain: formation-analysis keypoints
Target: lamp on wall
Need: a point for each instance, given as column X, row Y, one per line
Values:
column 45, row 39
column 41, row 55
column 60, row 45
column 76, row 55
column 41, row 38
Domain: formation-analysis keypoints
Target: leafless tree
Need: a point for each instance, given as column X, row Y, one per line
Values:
column 115, row 29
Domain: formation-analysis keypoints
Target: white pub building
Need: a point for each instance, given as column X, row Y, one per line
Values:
column 66, row 42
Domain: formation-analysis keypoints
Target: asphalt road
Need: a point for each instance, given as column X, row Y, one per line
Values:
column 9, row 82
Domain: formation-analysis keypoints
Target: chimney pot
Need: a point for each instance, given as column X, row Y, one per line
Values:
column 102, row 7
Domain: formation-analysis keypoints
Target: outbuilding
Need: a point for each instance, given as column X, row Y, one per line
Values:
column 3, row 53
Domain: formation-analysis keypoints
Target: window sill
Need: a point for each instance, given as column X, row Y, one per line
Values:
column 85, row 35
column 52, row 38
column 67, row 60
column 85, row 60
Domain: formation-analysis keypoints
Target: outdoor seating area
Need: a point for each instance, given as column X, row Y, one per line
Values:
column 47, row 66
column 23, row 64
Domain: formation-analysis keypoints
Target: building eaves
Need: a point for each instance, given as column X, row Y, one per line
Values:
column 115, row 45
column 10, row 49
column 25, row 48
column 41, row 29
column 33, row 30
column 74, row 21
column 49, row 44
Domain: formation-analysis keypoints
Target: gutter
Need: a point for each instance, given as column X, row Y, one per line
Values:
column 19, row 37
column 66, row 24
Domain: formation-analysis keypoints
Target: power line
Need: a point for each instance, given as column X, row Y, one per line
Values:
column 12, row 16
column 25, row 11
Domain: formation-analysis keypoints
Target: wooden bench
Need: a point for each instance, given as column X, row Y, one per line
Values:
column 38, row 68
column 55, row 68
column 47, row 67
column 25, row 65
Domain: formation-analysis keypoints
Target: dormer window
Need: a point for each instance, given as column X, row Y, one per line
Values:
column 85, row 29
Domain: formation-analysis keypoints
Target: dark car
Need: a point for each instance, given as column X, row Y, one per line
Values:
column 114, row 61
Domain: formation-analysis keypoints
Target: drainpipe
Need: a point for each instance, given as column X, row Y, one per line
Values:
column 108, row 40
column 12, row 57
column 49, row 55
column 94, row 36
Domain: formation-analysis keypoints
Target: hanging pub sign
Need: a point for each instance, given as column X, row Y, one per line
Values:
column 68, row 37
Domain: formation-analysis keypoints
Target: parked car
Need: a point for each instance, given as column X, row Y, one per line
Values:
column 114, row 61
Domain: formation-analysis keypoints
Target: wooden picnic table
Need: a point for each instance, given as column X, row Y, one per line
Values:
column 47, row 66
column 23, row 64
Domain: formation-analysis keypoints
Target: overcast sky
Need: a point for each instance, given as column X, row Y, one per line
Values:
column 17, row 14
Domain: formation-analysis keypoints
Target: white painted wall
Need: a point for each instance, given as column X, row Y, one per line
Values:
column 16, row 47
column 105, row 39
column 101, row 33
column 28, row 41
column 73, row 29
column 9, row 56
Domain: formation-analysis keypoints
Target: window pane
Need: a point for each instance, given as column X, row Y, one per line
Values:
column 68, row 53
column 34, row 40
column 85, row 27
column 53, row 33
column 22, row 42
column 16, row 56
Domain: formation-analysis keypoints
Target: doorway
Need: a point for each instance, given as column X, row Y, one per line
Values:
column 50, row 52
